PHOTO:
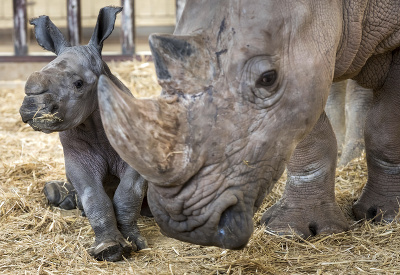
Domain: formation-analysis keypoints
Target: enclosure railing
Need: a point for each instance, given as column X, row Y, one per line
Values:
column 74, row 30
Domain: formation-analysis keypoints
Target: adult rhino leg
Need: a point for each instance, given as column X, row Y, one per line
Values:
column 127, row 202
column 358, row 102
column 335, row 110
column 308, row 203
column 380, row 197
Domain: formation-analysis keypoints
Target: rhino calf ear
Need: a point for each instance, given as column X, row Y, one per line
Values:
column 104, row 26
column 48, row 35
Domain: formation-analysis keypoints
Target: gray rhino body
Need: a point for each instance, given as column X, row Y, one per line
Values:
column 245, row 84
column 62, row 97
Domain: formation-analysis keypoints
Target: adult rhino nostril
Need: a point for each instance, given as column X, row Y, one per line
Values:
column 234, row 229
column 313, row 227
column 372, row 213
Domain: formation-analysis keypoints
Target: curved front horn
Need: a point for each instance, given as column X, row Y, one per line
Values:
column 149, row 134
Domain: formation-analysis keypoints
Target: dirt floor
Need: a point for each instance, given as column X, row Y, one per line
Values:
column 38, row 239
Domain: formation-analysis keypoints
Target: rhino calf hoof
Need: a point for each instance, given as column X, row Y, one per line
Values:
column 137, row 241
column 61, row 194
column 111, row 250
column 132, row 234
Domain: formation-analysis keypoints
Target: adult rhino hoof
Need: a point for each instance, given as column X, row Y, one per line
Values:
column 61, row 194
column 110, row 250
column 305, row 221
column 375, row 207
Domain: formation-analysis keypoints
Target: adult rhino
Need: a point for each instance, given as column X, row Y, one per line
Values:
column 244, row 85
column 62, row 97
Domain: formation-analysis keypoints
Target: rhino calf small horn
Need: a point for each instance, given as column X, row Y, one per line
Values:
column 62, row 97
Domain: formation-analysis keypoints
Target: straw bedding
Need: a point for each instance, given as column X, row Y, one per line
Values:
column 38, row 239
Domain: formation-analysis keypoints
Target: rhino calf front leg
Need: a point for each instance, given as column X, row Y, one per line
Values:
column 109, row 244
column 127, row 204
column 308, row 204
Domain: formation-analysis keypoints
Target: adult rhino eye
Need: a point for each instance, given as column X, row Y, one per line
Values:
column 78, row 84
column 267, row 79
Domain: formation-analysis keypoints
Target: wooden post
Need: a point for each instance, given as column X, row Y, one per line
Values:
column 74, row 21
column 128, row 27
column 20, row 27
column 180, row 4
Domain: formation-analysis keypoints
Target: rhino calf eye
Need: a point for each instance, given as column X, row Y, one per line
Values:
column 267, row 79
column 78, row 84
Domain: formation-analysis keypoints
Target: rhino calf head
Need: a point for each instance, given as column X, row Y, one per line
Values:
column 240, row 91
column 64, row 93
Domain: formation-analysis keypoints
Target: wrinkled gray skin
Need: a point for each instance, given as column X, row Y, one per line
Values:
column 347, row 107
column 244, row 85
column 62, row 97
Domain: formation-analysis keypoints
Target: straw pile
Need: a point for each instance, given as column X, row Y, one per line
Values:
column 38, row 239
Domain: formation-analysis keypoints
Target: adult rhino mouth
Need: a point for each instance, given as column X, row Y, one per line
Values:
column 225, row 222
column 208, row 211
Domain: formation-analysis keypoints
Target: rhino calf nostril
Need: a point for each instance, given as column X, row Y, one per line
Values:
column 54, row 109
column 31, row 91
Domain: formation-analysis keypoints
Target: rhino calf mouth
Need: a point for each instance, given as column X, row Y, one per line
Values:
column 48, row 118
column 40, row 113
column 44, row 121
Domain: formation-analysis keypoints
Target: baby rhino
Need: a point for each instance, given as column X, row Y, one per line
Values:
column 62, row 97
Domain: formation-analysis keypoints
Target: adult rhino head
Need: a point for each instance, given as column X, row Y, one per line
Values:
column 242, row 83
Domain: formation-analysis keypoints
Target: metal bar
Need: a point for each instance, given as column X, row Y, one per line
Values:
column 48, row 58
column 20, row 27
column 74, row 22
column 128, row 27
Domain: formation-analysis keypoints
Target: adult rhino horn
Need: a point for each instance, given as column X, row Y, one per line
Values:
column 149, row 134
column 181, row 57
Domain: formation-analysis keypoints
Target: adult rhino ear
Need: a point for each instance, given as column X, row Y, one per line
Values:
column 48, row 35
column 104, row 26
